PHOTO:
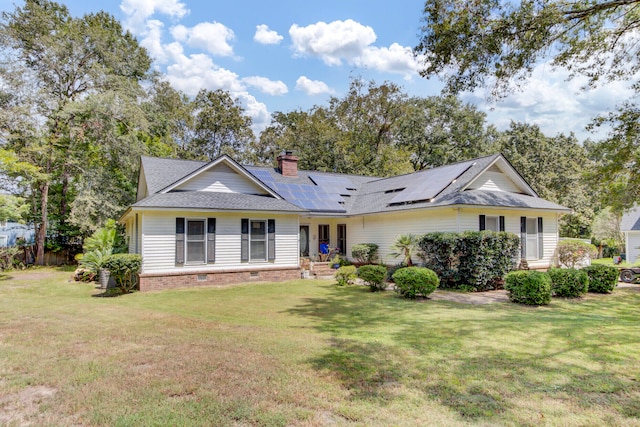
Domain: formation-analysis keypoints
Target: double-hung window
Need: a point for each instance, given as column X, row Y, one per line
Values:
column 195, row 240
column 258, row 240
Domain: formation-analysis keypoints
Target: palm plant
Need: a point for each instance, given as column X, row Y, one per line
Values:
column 405, row 245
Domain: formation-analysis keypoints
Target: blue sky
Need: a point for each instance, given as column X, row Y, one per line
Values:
column 284, row 55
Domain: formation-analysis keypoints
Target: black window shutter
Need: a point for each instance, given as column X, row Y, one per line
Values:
column 501, row 222
column 179, row 240
column 540, row 239
column 271, row 248
column 523, row 237
column 483, row 222
column 244, row 240
column 211, row 240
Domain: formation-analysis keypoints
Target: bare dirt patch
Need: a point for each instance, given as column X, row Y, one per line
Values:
column 21, row 409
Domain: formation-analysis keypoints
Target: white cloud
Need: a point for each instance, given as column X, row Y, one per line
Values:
column 152, row 40
column 198, row 71
column 352, row 42
column 553, row 103
column 332, row 42
column 210, row 36
column 267, row 86
column 312, row 87
column 139, row 10
column 394, row 59
column 264, row 35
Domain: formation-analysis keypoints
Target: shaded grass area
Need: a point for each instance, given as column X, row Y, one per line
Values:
column 310, row 353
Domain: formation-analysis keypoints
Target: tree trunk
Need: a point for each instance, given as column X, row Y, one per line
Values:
column 63, row 201
column 42, row 230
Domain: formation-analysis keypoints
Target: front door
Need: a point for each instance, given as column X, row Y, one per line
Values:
column 304, row 240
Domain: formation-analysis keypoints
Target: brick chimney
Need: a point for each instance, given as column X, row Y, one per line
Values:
column 288, row 164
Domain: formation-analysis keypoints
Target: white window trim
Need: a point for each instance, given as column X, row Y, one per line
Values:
column 4, row 240
column 186, row 242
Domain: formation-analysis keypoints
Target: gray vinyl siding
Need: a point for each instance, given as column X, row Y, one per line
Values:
column 221, row 178
column 159, row 241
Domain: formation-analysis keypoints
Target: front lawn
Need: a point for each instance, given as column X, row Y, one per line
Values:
column 310, row 353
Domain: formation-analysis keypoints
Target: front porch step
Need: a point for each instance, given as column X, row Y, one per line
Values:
column 321, row 270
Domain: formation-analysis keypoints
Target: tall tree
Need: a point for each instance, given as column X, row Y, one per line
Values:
column 438, row 131
column 368, row 117
column 496, row 44
column 220, row 126
column 312, row 135
column 555, row 167
column 53, row 63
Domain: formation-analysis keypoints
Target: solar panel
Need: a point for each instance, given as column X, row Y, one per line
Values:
column 262, row 175
column 428, row 184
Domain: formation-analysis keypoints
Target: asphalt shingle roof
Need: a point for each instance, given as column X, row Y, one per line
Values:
column 217, row 201
column 370, row 194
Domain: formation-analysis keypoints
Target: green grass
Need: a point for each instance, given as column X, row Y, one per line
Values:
column 609, row 261
column 310, row 353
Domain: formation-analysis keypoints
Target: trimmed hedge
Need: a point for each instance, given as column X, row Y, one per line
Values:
column 568, row 282
column 603, row 279
column 413, row 281
column 124, row 269
column 477, row 259
column 528, row 287
column 365, row 253
column 573, row 252
column 346, row 275
column 373, row 275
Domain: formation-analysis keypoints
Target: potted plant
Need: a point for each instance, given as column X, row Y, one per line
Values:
column 94, row 261
column 335, row 261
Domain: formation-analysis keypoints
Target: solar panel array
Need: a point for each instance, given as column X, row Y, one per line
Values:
column 325, row 196
column 438, row 179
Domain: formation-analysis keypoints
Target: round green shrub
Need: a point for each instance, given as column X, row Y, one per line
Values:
column 602, row 278
column 568, row 282
column 346, row 275
column 393, row 269
column 528, row 287
column 413, row 281
column 124, row 269
column 373, row 275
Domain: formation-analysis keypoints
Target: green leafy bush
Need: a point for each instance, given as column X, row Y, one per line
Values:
column 94, row 260
column 346, row 275
column 573, row 252
column 110, row 237
column 477, row 259
column 602, row 278
column 413, row 281
column 373, row 275
column 528, row 287
column 365, row 253
column 124, row 269
column 568, row 282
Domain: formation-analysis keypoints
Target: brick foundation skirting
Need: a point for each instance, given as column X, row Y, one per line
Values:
column 189, row 279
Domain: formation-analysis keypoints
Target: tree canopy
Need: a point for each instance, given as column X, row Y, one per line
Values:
column 497, row 44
